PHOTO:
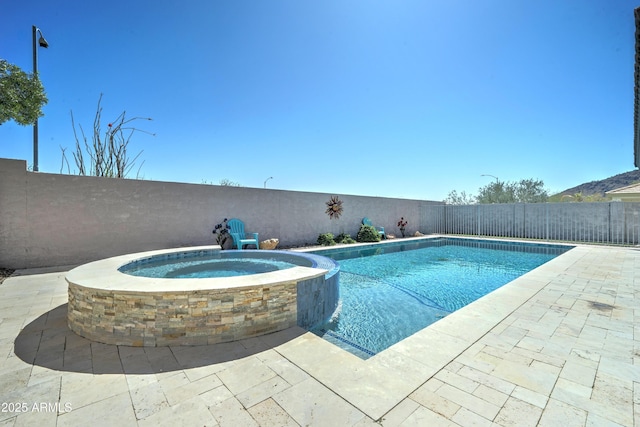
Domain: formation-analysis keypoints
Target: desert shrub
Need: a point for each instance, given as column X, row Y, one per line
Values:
column 368, row 233
column 326, row 239
column 344, row 239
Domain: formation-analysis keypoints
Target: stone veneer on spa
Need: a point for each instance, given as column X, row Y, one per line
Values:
column 108, row 306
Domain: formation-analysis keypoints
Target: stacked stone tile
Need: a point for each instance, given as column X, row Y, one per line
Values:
column 181, row 318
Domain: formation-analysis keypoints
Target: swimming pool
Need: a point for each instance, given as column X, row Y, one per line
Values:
column 388, row 292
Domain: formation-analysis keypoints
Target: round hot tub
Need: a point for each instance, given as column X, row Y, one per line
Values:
column 199, row 296
column 201, row 265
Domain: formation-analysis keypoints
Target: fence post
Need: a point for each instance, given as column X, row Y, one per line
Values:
column 546, row 208
column 609, row 231
column 443, row 229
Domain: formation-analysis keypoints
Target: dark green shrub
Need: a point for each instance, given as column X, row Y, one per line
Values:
column 345, row 239
column 368, row 233
column 326, row 239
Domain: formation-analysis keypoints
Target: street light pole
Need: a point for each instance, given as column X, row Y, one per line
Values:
column 265, row 181
column 43, row 43
column 492, row 176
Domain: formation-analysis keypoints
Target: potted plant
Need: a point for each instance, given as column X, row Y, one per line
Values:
column 401, row 224
column 221, row 232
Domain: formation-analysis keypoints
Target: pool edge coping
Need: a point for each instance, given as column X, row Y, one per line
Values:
column 397, row 371
column 104, row 275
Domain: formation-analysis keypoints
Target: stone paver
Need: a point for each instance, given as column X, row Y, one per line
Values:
column 558, row 346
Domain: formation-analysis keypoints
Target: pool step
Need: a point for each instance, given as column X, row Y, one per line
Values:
column 344, row 343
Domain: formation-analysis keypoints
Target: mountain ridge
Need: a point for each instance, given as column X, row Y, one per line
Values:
column 602, row 186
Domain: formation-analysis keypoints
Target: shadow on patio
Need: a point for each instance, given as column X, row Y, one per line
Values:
column 48, row 342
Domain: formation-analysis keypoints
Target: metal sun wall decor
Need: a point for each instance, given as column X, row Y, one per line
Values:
column 334, row 207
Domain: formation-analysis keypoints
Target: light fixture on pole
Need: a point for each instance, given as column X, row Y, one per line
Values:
column 265, row 181
column 492, row 176
column 43, row 43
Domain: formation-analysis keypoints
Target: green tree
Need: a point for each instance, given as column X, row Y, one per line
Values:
column 531, row 191
column 523, row 191
column 228, row 183
column 579, row 197
column 22, row 95
column 460, row 199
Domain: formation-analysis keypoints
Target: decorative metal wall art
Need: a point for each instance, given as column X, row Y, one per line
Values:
column 334, row 207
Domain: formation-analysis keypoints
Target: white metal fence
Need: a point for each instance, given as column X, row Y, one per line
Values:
column 610, row 223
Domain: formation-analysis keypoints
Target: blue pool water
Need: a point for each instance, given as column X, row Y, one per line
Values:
column 391, row 291
column 216, row 264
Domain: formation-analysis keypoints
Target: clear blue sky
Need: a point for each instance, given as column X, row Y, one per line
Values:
column 394, row 98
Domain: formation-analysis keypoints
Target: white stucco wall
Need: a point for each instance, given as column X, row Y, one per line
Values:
column 51, row 219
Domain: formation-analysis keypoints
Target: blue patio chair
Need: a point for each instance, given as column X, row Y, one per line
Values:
column 367, row 221
column 240, row 238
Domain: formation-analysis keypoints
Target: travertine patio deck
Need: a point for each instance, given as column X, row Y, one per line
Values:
column 558, row 346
